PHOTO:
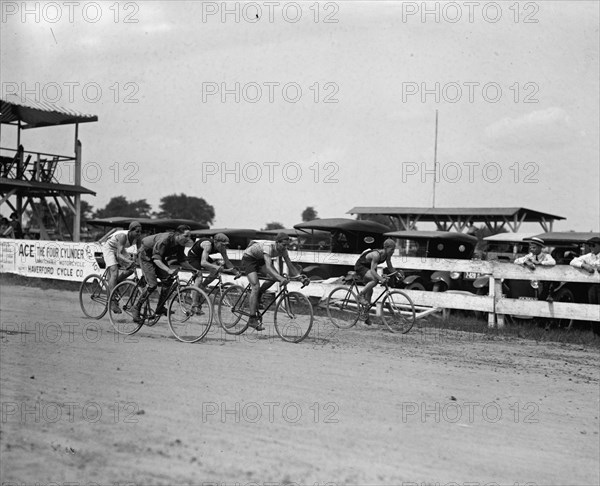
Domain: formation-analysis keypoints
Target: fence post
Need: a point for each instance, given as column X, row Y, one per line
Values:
column 497, row 297
column 492, row 294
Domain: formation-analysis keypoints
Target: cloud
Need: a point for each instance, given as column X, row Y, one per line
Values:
column 551, row 127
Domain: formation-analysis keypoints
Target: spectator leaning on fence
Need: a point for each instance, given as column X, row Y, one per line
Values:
column 535, row 256
column 590, row 262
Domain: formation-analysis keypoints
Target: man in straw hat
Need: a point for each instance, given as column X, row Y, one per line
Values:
column 535, row 256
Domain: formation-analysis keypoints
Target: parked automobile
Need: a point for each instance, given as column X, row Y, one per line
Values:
column 238, row 237
column 345, row 236
column 435, row 244
column 301, row 240
column 505, row 247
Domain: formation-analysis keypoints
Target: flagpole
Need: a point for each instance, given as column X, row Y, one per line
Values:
column 435, row 157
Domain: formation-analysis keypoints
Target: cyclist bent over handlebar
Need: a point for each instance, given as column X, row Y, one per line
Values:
column 258, row 258
column 155, row 252
column 366, row 269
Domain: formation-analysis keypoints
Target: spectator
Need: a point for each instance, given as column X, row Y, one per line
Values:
column 590, row 262
column 16, row 225
column 536, row 256
column 6, row 230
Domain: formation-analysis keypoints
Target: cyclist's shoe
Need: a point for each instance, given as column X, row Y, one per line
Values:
column 114, row 308
column 368, row 321
column 196, row 310
column 254, row 323
column 135, row 313
column 161, row 311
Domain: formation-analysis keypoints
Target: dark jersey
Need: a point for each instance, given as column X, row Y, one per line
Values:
column 162, row 246
column 363, row 262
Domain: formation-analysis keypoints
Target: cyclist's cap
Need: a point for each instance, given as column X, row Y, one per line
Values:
column 535, row 240
column 222, row 238
column 134, row 224
column 593, row 241
column 389, row 243
column 282, row 237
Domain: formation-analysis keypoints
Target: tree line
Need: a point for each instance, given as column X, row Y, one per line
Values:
column 174, row 206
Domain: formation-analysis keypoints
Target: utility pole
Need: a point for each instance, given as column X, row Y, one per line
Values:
column 435, row 157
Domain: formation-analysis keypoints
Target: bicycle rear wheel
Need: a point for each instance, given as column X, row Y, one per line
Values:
column 233, row 306
column 398, row 312
column 342, row 307
column 93, row 296
column 190, row 314
column 293, row 317
column 123, row 297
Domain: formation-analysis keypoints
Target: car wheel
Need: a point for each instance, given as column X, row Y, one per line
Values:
column 563, row 295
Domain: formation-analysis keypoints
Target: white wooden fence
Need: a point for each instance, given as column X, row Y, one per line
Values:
column 495, row 304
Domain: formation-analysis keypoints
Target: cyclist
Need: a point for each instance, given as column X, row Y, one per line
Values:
column 155, row 253
column 258, row 257
column 116, row 256
column 199, row 256
column 366, row 269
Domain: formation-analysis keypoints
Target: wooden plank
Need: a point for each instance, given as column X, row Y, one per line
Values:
column 559, row 310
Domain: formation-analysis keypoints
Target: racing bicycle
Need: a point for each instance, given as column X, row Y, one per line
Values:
column 344, row 308
column 292, row 315
column 189, row 309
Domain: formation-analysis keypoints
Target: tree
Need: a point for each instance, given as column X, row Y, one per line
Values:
column 273, row 226
column 120, row 206
column 309, row 214
column 86, row 211
column 186, row 207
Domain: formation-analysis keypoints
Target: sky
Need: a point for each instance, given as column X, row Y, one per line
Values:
column 265, row 108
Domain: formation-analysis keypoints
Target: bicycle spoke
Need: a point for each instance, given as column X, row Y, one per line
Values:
column 93, row 296
column 398, row 312
column 190, row 315
column 343, row 309
column 120, row 308
column 232, row 307
column 293, row 317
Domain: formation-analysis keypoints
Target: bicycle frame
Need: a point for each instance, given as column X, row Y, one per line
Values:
column 368, row 307
column 216, row 289
column 282, row 294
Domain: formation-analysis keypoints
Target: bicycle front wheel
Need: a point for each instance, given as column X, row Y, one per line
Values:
column 120, row 308
column 190, row 314
column 293, row 317
column 342, row 307
column 233, row 312
column 398, row 312
column 93, row 296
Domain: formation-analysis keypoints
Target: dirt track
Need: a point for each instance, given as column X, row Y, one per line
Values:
column 81, row 404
